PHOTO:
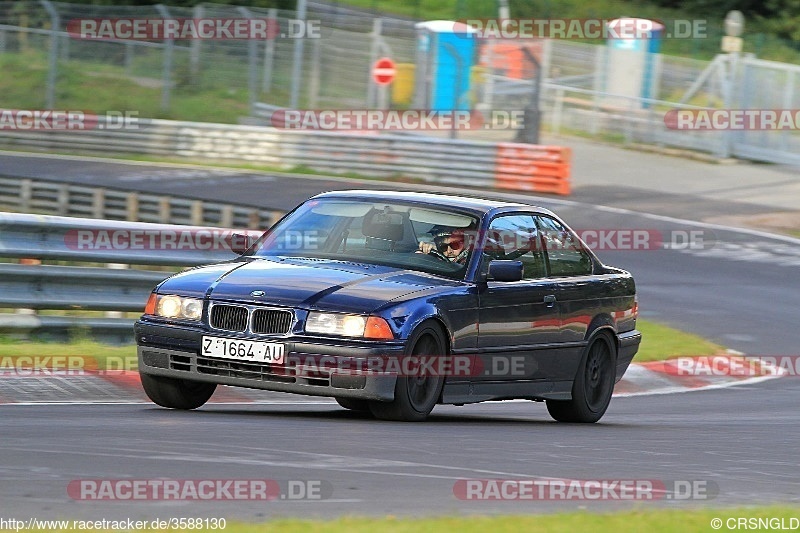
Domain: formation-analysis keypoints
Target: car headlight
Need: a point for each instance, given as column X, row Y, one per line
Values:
column 172, row 306
column 372, row 327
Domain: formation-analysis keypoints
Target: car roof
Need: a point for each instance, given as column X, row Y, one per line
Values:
column 476, row 205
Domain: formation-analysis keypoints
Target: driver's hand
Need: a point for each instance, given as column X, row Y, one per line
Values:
column 426, row 247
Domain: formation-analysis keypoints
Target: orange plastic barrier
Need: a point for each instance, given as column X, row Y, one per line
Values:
column 531, row 167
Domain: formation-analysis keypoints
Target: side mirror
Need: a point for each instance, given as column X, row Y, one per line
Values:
column 501, row 270
column 241, row 242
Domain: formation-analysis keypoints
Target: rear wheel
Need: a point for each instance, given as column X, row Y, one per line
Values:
column 592, row 388
column 415, row 396
column 177, row 393
column 353, row 404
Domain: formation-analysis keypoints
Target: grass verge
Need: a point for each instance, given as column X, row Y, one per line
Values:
column 83, row 354
column 652, row 521
column 661, row 342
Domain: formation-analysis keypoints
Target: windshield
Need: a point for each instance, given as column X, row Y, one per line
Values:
column 394, row 234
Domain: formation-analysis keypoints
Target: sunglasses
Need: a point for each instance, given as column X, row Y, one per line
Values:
column 454, row 244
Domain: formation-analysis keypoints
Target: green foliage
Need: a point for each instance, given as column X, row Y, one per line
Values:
column 661, row 342
column 783, row 19
column 772, row 27
column 642, row 518
column 97, row 87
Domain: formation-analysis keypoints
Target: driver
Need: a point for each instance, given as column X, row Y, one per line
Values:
column 448, row 242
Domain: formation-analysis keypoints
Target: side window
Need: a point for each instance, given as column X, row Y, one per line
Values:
column 565, row 253
column 515, row 237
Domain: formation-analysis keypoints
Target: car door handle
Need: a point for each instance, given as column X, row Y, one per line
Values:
column 550, row 300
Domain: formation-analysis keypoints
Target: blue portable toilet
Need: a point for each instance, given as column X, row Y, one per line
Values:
column 445, row 56
column 631, row 60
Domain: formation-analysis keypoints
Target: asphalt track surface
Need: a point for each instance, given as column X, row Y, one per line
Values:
column 739, row 288
column 743, row 439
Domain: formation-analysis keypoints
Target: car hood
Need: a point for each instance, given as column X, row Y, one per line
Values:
column 304, row 283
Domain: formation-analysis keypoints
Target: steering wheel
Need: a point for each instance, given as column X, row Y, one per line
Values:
column 438, row 255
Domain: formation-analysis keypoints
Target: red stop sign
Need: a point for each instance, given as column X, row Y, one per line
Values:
column 383, row 71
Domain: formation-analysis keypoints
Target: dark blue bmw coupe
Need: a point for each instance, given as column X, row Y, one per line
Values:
column 392, row 302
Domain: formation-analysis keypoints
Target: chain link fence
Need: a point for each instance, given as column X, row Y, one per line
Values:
column 334, row 68
column 230, row 81
column 172, row 77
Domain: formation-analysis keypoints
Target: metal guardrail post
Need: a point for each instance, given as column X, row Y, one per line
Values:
column 253, row 220
column 164, row 209
column 52, row 69
column 98, row 203
column 63, row 200
column 115, row 266
column 226, row 216
column 197, row 212
column 132, row 207
column 25, row 194
column 27, row 310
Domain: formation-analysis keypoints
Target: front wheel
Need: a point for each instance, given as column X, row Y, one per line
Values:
column 592, row 388
column 177, row 393
column 415, row 396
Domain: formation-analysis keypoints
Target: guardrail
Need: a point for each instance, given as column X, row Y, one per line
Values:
column 387, row 155
column 65, row 199
column 91, row 287
column 111, row 241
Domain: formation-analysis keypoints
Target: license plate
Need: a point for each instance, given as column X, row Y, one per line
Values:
column 241, row 350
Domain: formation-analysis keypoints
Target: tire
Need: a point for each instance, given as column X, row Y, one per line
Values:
column 415, row 397
column 592, row 387
column 177, row 393
column 353, row 404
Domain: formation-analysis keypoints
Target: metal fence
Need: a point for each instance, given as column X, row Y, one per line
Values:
column 772, row 86
column 88, row 287
column 575, row 101
column 575, row 110
column 333, row 71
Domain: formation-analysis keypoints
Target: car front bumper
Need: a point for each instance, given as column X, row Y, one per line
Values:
column 312, row 366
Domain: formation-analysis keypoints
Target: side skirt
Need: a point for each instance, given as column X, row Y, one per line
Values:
column 466, row 392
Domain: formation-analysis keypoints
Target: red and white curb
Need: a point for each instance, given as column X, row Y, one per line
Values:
column 658, row 377
column 685, row 374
